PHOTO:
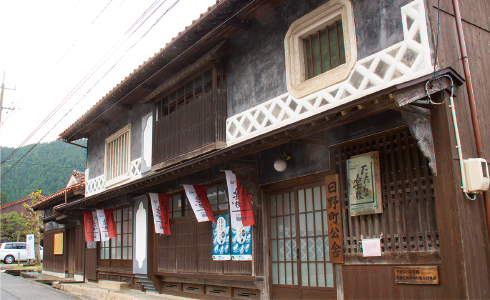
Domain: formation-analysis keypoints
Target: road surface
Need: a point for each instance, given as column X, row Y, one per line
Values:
column 17, row 287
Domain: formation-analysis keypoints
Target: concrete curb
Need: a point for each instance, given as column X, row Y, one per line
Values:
column 95, row 293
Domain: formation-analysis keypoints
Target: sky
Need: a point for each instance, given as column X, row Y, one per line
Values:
column 73, row 52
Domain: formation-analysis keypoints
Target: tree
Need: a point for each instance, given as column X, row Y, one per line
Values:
column 34, row 224
column 4, row 198
column 13, row 226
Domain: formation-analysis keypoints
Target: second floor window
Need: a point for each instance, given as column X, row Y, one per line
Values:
column 324, row 50
column 118, row 155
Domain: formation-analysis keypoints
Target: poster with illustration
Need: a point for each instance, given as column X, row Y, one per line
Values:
column 221, row 238
column 241, row 243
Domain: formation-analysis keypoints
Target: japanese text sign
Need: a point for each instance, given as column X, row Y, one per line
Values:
column 335, row 235
column 198, row 198
column 107, row 224
column 91, row 226
column 160, row 208
column 364, row 184
column 241, row 212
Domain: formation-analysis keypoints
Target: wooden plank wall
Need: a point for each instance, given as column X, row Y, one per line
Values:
column 188, row 250
column 408, row 221
column 51, row 262
column 80, row 244
column 465, row 250
column 91, row 264
column 199, row 123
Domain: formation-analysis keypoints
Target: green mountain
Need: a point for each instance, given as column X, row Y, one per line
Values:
column 47, row 167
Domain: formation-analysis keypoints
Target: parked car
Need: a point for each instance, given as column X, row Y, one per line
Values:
column 15, row 251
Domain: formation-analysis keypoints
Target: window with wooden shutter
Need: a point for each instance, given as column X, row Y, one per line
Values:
column 117, row 156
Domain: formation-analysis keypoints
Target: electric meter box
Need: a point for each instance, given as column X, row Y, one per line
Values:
column 476, row 171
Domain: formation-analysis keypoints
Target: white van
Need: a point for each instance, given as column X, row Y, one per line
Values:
column 15, row 251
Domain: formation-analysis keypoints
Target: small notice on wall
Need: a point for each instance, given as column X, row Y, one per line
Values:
column 241, row 243
column 58, row 244
column 371, row 247
column 417, row 275
column 364, row 184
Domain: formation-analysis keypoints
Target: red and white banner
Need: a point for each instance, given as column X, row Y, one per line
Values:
column 160, row 207
column 198, row 198
column 241, row 213
column 107, row 225
column 92, row 233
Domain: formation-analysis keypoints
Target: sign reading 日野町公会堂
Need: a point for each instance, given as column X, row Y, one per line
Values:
column 198, row 198
column 241, row 213
column 160, row 208
column 91, row 226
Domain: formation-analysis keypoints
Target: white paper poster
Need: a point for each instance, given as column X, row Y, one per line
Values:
column 30, row 246
column 155, row 206
column 371, row 247
column 104, row 233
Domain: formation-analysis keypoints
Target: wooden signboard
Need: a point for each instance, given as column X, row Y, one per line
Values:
column 58, row 243
column 417, row 275
column 364, row 184
column 335, row 236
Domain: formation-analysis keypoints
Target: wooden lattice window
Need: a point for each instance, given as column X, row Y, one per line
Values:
column 324, row 50
column 118, row 251
column 117, row 156
column 408, row 221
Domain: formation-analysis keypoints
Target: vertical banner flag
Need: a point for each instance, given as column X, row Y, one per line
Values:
column 241, row 243
column 241, row 212
column 198, row 198
column 221, row 238
column 91, row 227
column 160, row 207
column 107, row 225
column 30, row 247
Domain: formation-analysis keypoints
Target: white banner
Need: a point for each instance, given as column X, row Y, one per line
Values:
column 198, row 199
column 104, row 233
column 30, row 247
column 155, row 207
column 241, row 213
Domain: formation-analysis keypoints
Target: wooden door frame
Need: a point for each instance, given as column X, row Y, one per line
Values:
column 293, row 185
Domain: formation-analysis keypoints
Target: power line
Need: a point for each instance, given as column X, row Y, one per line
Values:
column 158, row 20
column 27, row 163
column 89, row 75
column 158, row 71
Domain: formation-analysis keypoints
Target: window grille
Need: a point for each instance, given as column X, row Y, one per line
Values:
column 324, row 50
column 117, row 156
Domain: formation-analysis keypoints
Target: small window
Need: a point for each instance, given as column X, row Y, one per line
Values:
column 8, row 246
column 324, row 50
column 117, row 156
column 320, row 48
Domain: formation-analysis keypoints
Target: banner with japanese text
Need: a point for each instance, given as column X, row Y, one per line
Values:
column 241, row 243
column 92, row 233
column 107, row 224
column 198, row 198
column 241, row 212
column 160, row 208
column 335, row 236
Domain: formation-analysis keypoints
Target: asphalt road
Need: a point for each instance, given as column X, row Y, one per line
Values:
column 17, row 287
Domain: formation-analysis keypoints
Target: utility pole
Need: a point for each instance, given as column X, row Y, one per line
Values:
column 1, row 97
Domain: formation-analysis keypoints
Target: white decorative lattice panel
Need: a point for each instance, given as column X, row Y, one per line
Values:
column 94, row 186
column 399, row 63
column 135, row 171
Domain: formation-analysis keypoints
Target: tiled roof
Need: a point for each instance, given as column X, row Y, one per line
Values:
column 143, row 65
column 16, row 201
column 81, row 184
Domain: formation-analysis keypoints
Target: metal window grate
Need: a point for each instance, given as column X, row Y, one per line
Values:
column 324, row 50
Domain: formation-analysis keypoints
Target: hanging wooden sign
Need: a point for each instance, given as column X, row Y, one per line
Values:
column 364, row 184
column 58, row 244
column 335, row 235
column 417, row 275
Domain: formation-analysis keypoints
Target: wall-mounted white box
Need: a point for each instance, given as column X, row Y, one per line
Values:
column 476, row 172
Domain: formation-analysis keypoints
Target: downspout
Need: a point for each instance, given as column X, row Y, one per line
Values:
column 471, row 100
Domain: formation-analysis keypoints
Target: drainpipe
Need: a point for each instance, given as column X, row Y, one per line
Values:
column 471, row 100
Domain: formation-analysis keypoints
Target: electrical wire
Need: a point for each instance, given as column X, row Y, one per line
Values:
column 27, row 163
column 89, row 75
column 158, row 20
column 441, row 85
column 159, row 70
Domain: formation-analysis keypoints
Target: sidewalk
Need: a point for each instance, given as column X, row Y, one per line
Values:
column 87, row 290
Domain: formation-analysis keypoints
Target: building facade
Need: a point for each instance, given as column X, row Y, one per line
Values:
column 329, row 90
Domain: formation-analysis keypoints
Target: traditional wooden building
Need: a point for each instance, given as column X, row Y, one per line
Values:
column 63, row 234
column 338, row 118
